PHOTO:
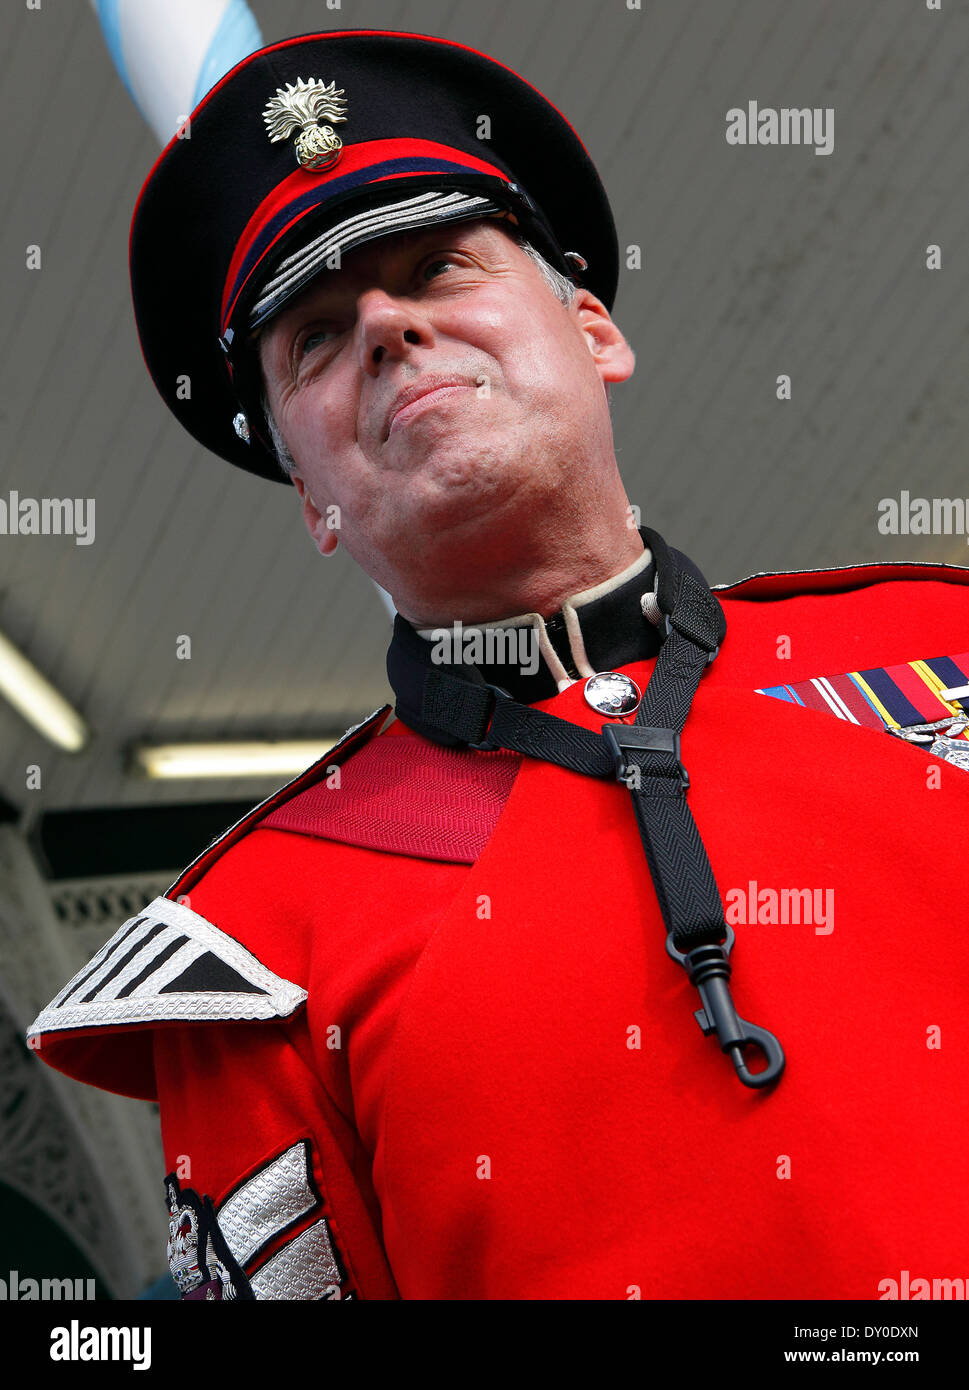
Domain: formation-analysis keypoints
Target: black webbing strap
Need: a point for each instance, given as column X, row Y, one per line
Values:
column 500, row 722
column 687, row 890
column 453, row 709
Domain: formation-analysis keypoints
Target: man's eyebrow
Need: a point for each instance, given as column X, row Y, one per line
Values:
column 290, row 320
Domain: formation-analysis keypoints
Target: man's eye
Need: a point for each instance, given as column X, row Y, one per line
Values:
column 432, row 268
column 313, row 339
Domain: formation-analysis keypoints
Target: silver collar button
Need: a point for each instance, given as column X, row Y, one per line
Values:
column 612, row 694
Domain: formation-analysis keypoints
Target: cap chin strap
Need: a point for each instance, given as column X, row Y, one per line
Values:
column 455, row 706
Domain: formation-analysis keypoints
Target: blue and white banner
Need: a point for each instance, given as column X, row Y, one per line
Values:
column 169, row 53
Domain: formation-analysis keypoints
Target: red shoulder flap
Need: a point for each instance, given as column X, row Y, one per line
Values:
column 352, row 740
column 405, row 795
column 786, row 628
column 788, row 583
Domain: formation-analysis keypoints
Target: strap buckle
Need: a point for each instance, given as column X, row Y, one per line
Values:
column 667, row 628
column 620, row 737
column 486, row 745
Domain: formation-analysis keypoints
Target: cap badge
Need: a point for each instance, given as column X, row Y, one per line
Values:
column 301, row 107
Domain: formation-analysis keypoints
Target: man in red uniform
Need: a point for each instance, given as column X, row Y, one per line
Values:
column 411, row 1023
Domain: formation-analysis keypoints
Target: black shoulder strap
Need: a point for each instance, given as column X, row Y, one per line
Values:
column 453, row 705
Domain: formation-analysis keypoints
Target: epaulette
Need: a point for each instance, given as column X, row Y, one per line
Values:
column 170, row 965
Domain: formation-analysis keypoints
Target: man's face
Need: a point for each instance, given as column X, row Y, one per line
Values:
column 512, row 381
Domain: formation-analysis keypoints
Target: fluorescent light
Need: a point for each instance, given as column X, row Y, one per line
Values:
column 33, row 697
column 256, row 759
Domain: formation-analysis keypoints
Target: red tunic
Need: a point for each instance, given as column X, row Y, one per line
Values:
column 497, row 1067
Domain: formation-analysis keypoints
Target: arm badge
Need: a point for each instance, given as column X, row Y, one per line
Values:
column 217, row 1253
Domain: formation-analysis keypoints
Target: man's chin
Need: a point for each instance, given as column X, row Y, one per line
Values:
column 441, row 522
column 457, row 491
column 455, row 459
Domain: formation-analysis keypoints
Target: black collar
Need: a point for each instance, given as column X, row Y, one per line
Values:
column 599, row 629
column 532, row 658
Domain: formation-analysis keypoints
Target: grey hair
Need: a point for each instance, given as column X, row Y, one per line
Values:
column 283, row 456
column 560, row 285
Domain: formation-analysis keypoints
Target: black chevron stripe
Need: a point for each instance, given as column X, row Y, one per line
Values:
column 120, row 964
column 152, row 966
column 90, row 969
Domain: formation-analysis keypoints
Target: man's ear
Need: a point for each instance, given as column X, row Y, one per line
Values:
column 325, row 539
column 612, row 354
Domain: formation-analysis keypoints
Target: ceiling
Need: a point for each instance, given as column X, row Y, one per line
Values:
column 757, row 261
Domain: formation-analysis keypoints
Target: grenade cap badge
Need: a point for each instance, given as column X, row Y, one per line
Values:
column 303, row 106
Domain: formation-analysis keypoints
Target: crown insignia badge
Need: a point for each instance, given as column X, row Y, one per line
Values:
column 303, row 106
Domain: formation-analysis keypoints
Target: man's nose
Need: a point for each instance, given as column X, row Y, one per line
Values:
column 389, row 329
